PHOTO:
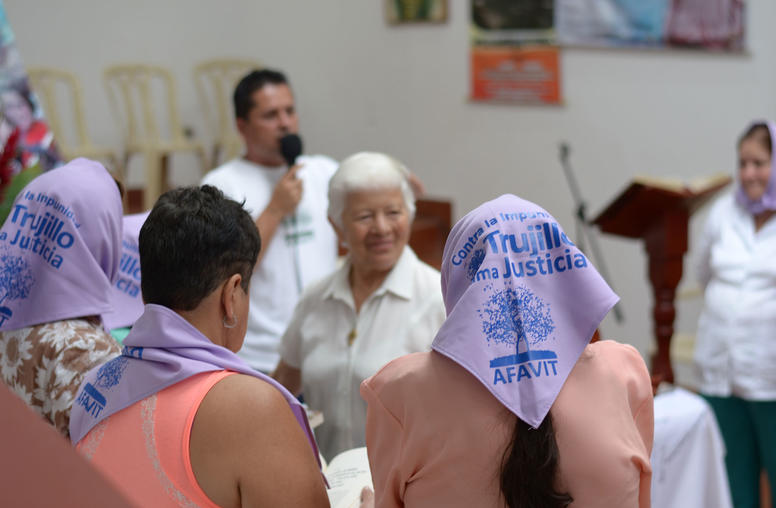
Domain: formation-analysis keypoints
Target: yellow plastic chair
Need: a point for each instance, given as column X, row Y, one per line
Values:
column 215, row 81
column 60, row 92
column 143, row 98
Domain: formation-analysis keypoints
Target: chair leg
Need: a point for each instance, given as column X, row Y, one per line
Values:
column 153, row 179
column 203, row 163
column 125, row 162
column 164, row 173
column 214, row 158
column 120, row 174
column 120, row 170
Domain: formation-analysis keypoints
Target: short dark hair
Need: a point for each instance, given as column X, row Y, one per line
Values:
column 255, row 80
column 193, row 240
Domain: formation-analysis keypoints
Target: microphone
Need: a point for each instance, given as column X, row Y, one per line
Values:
column 290, row 148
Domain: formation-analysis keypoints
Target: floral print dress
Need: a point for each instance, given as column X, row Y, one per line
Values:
column 45, row 364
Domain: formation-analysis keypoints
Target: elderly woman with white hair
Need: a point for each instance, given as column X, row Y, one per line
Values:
column 381, row 304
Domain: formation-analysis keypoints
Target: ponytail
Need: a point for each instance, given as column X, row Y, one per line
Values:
column 529, row 468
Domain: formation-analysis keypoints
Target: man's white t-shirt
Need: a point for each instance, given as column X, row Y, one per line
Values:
column 303, row 249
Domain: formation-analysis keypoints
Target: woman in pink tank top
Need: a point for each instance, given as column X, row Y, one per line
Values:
column 178, row 419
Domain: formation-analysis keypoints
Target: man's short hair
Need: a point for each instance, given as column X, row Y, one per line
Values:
column 255, row 80
column 194, row 239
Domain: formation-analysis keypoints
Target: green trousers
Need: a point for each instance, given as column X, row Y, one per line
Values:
column 749, row 431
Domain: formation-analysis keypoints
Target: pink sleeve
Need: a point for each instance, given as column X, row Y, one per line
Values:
column 642, row 404
column 384, row 440
column 644, row 419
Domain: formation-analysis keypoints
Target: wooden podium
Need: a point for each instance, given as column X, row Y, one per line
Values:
column 658, row 211
column 433, row 219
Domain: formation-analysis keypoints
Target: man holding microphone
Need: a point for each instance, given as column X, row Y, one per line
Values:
column 286, row 196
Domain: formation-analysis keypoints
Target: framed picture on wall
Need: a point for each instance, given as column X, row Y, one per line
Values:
column 416, row 11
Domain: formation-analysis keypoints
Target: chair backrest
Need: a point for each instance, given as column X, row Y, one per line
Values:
column 59, row 91
column 215, row 81
column 140, row 95
column 433, row 219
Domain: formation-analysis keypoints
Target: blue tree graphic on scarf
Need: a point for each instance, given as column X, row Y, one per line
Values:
column 516, row 316
column 478, row 256
column 110, row 374
column 16, row 280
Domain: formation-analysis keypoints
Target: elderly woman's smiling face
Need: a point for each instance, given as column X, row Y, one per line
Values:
column 376, row 227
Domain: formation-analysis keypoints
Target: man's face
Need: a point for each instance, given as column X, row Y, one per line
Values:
column 273, row 116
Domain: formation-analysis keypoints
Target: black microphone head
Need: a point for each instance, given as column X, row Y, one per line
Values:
column 290, row 147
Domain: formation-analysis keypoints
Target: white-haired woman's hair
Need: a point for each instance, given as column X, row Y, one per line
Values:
column 368, row 171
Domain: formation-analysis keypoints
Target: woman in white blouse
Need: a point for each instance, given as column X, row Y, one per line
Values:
column 381, row 304
column 736, row 346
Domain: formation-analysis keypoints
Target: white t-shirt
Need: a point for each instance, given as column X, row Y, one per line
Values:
column 402, row 316
column 303, row 249
column 735, row 349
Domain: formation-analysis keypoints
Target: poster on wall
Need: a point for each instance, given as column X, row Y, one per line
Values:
column 515, row 45
column 516, row 74
column 716, row 25
column 510, row 22
column 514, row 58
column 416, row 11
column 22, row 119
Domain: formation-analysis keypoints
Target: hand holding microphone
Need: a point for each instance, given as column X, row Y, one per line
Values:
column 288, row 191
column 290, row 148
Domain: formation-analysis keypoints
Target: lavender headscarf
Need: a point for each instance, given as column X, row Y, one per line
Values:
column 522, row 303
column 127, row 298
column 60, row 247
column 161, row 350
column 768, row 200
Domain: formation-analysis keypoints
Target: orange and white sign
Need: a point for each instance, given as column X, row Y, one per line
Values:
column 517, row 74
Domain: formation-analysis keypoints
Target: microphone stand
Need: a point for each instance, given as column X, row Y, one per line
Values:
column 297, row 261
column 582, row 226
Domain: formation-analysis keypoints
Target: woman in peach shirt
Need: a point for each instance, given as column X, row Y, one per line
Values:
column 455, row 427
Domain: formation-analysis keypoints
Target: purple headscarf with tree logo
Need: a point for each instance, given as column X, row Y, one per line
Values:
column 60, row 247
column 522, row 303
column 162, row 349
column 127, row 297
column 768, row 200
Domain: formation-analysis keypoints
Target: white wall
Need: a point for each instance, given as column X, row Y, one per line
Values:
column 362, row 84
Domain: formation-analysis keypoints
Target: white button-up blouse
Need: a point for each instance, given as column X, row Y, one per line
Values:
column 735, row 348
column 402, row 316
